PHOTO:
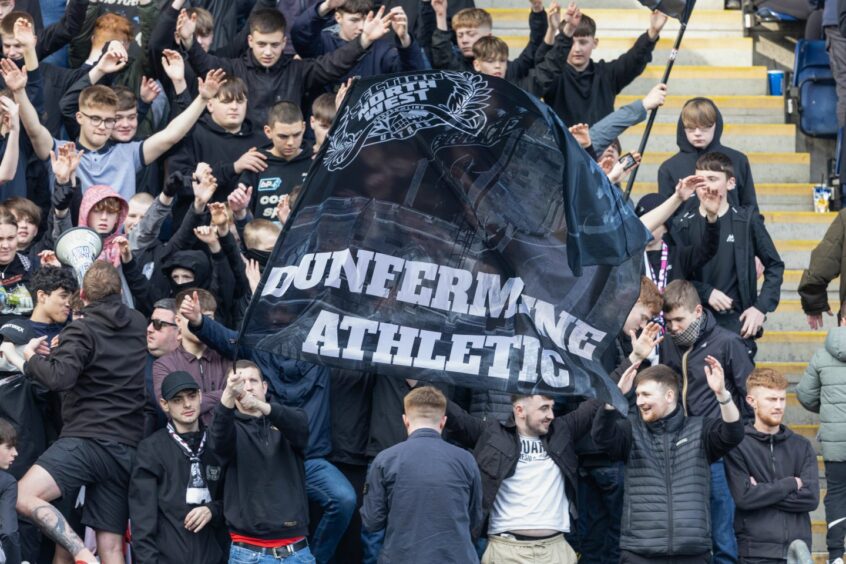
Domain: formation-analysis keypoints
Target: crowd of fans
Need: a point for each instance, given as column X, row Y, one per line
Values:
column 182, row 135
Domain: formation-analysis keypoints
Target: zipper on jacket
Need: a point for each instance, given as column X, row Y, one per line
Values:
column 684, row 379
column 772, row 456
column 668, row 484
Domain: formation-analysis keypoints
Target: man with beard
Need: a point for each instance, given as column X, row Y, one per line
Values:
column 773, row 476
column 173, row 494
column 695, row 336
column 666, row 510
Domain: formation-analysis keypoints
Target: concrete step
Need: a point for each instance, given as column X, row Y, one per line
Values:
column 629, row 23
column 714, row 51
column 694, row 80
column 790, row 286
column 735, row 109
column 771, row 197
column 789, row 346
column 594, row 4
column 791, row 370
column 748, row 138
column 788, row 316
column 805, row 225
column 795, row 252
column 795, row 414
column 790, row 168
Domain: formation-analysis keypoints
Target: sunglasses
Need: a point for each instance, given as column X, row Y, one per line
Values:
column 158, row 324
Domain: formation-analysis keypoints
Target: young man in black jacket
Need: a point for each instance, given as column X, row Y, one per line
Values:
column 773, row 476
column 529, row 476
column 174, row 501
column 727, row 283
column 261, row 444
column 274, row 77
column 99, row 364
column 586, row 91
column 666, row 509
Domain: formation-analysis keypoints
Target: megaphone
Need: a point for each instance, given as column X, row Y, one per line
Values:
column 78, row 248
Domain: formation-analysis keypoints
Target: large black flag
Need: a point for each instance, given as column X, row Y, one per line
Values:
column 452, row 230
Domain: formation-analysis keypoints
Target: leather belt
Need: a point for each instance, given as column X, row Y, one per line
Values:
column 280, row 552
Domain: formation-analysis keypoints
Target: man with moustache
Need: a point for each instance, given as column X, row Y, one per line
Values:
column 173, row 494
column 162, row 339
column 773, row 476
column 666, row 509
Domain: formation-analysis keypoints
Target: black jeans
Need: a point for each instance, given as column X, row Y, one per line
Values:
column 835, row 508
column 600, row 511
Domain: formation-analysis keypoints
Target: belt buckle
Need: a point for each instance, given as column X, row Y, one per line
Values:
column 283, row 552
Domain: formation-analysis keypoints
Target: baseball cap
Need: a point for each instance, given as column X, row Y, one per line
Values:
column 648, row 203
column 175, row 382
column 16, row 332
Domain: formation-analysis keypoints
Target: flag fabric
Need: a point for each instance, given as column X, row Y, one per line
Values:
column 452, row 230
column 678, row 9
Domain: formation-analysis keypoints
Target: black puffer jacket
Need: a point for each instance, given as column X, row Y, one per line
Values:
column 496, row 448
column 666, row 505
column 772, row 513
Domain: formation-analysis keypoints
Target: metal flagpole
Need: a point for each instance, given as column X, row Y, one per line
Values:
column 670, row 62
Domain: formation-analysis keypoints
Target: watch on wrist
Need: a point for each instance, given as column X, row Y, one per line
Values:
column 721, row 402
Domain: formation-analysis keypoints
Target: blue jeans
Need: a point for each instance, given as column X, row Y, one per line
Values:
column 722, row 517
column 600, row 513
column 238, row 555
column 327, row 486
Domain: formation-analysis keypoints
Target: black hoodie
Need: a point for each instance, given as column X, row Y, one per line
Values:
column 773, row 512
column 683, row 164
column 588, row 96
column 99, row 364
column 279, row 178
column 264, row 495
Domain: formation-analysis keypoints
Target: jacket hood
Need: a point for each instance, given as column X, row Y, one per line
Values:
column 684, row 144
column 110, row 311
column 195, row 261
column 96, row 194
column 783, row 434
column 207, row 122
column 669, row 423
column 708, row 324
column 306, row 154
column 91, row 198
column 835, row 343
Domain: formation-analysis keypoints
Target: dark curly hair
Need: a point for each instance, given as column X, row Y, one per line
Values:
column 48, row 279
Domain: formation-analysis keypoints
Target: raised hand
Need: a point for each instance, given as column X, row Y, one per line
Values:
column 553, row 16
column 234, row 389
column 123, row 247
column 655, row 97
column 239, row 200
column 64, row 162
column 342, row 93
column 49, row 258
column 173, row 65
column 399, row 23
column 14, row 77
column 185, row 28
column 618, row 168
column 211, row 86
column 627, row 378
column 283, row 209
column 11, row 114
column 253, row 271
column 149, row 90
column 643, row 345
column 204, row 184
column 571, row 19
column 715, row 375
column 440, row 8
column 208, row 235
column 581, row 132
column 190, row 309
column 656, row 24
column 375, row 27
column 219, row 217
column 114, row 59
column 24, row 33
column 687, row 186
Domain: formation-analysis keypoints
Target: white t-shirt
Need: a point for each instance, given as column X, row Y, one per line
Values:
column 534, row 497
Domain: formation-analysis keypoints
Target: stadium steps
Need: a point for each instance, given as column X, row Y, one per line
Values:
column 715, row 60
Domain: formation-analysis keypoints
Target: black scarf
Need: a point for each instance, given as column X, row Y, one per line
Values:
column 197, row 491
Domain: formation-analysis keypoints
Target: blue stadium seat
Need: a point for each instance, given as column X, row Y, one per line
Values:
column 770, row 15
column 814, row 81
